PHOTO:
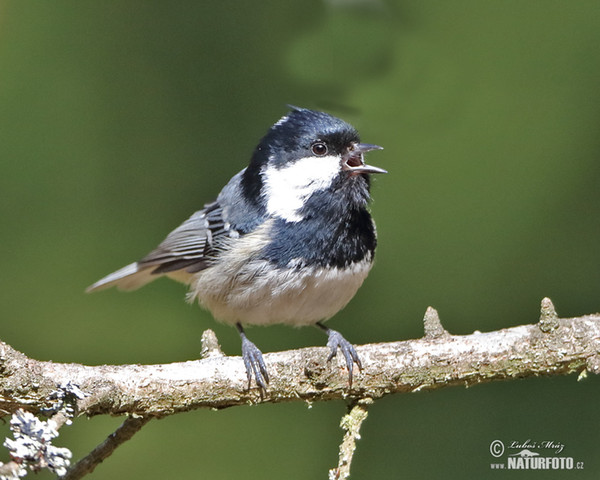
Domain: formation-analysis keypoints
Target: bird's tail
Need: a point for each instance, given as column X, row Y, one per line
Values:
column 131, row 277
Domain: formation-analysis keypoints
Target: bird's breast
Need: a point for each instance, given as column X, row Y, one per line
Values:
column 243, row 284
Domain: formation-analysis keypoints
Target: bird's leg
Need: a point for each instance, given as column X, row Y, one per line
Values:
column 336, row 340
column 253, row 360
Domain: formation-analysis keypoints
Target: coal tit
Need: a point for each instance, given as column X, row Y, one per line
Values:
column 289, row 239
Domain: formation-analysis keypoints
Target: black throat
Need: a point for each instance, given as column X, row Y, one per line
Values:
column 336, row 229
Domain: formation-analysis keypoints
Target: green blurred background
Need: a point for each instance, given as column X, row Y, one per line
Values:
column 119, row 119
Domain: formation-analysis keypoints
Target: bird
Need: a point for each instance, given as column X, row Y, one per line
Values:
column 288, row 240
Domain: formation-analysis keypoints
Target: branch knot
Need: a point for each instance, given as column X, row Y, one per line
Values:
column 210, row 345
column 433, row 326
column 548, row 316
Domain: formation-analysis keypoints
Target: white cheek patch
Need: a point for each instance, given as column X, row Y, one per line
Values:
column 287, row 188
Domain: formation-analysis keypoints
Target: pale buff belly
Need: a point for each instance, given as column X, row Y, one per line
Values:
column 254, row 293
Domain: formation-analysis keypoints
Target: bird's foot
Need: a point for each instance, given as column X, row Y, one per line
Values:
column 336, row 340
column 254, row 363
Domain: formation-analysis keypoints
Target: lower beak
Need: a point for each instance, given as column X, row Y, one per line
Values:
column 354, row 161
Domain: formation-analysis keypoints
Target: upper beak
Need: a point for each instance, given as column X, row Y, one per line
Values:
column 354, row 161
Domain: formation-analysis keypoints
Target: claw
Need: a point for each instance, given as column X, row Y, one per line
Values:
column 336, row 340
column 254, row 363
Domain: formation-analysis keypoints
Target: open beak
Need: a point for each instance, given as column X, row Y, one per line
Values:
column 354, row 161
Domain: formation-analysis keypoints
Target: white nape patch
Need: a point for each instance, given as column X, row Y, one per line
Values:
column 281, row 121
column 287, row 188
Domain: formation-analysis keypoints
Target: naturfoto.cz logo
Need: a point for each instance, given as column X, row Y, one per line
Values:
column 532, row 455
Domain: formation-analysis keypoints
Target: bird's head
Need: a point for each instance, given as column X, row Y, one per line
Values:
column 304, row 153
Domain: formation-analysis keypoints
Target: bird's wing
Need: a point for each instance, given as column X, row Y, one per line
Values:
column 185, row 249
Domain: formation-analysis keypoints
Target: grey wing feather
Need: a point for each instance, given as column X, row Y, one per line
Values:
column 185, row 248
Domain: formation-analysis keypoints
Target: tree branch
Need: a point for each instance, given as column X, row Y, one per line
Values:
column 553, row 346
column 86, row 465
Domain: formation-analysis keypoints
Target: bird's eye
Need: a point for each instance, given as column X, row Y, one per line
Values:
column 319, row 149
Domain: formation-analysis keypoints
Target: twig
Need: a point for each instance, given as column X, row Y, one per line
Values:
column 351, row 423
column 87, row 464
